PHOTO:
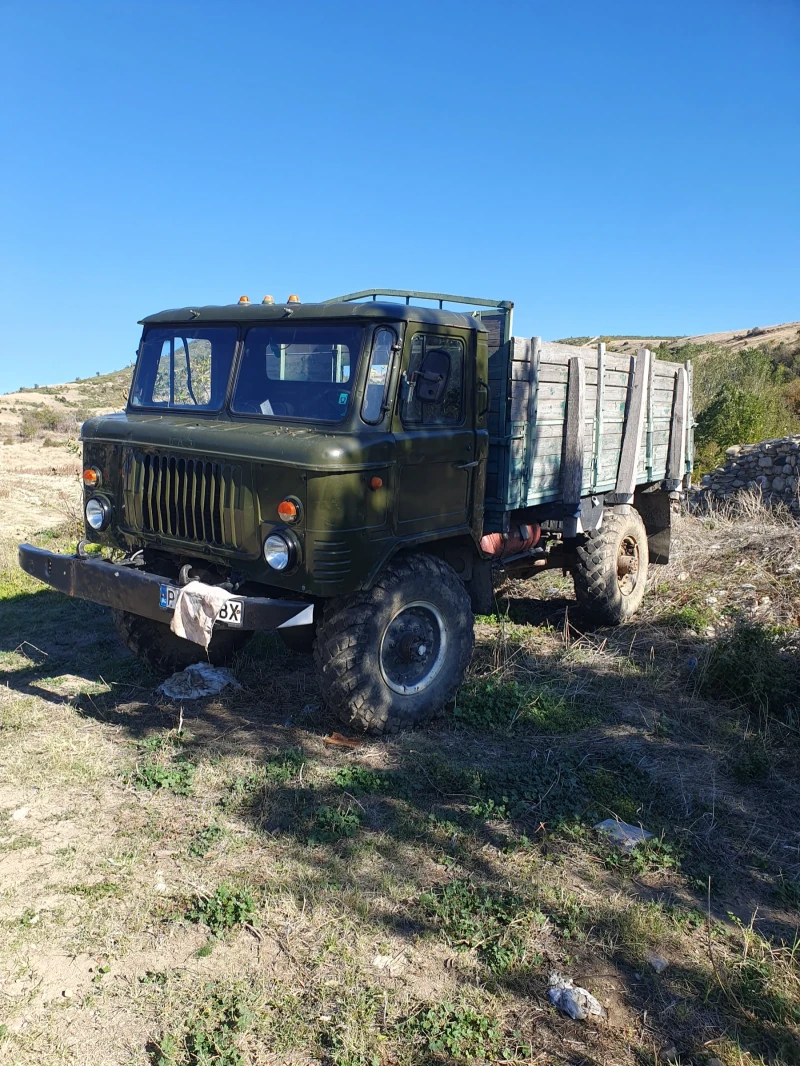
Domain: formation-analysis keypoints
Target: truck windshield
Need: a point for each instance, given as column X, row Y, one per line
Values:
column 181, row 368
column 303, row 371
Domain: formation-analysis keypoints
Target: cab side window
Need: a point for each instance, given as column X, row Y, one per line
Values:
column 378, row 375
column 449, row 410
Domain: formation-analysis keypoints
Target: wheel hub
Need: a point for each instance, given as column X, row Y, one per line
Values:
column 412, row 648
column 627, row 565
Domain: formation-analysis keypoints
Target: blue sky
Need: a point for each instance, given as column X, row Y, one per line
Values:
column 617, row 167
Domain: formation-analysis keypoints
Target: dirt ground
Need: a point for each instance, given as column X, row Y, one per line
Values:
column 217, row 882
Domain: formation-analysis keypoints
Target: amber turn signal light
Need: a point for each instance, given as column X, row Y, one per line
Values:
column 288, row 511
column 375, row 483
column 91, row 477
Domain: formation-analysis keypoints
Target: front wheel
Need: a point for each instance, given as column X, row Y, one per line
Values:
column 155, row 644
column 610, row 571
column 393, row 656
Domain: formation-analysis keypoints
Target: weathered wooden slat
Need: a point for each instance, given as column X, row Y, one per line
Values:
column 572, row 470
column 556, row 409
column 634, row 421
column 552, row 351
column 599, row 400
column 555, row 373
column 520, row 349
column 689, row 417
column 650, row 420
column 532, row 414
column 676, row 460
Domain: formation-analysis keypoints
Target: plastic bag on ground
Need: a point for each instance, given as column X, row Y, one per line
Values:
column 573, row 1000
column 197, row 681
column 627, row 836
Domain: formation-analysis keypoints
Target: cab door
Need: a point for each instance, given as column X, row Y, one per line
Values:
column 434, row 436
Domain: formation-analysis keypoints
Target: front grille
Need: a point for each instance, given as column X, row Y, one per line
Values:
column 189, row 499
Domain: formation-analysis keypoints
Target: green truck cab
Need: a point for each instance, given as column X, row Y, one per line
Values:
column 352, row 472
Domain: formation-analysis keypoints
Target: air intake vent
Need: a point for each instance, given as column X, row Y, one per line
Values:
column 188, row 499
column 332, row 561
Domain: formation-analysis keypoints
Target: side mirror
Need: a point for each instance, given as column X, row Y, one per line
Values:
column 432, row 377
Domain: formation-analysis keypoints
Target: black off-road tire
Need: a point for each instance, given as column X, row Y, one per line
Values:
column 356, row 651
column 604, row 590
column 164, row 652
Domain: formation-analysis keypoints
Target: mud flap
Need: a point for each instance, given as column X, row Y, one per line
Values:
column 656, row 511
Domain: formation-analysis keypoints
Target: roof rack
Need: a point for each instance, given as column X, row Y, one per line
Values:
column 415, row 294
column 499, row 310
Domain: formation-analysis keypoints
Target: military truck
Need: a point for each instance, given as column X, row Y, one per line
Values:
column 354, row 472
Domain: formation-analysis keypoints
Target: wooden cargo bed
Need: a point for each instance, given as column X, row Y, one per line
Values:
column 568, row 422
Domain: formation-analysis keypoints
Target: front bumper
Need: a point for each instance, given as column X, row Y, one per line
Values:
column 127, row 588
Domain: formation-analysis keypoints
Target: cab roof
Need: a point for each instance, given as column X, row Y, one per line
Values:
column 296, row 312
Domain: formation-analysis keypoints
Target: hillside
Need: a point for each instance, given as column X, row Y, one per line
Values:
column 40, row 452
column 787, row 333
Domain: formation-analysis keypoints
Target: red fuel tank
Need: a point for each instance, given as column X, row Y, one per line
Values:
column 519, row 539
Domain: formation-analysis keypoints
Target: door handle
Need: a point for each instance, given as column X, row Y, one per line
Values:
column 467, row 466
column 483, row 385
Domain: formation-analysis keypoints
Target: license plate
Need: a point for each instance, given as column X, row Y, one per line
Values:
column 231, row 613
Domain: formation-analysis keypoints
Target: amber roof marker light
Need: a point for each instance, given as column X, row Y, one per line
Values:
column 268, row 300
column 244, row 299
column 293, row 299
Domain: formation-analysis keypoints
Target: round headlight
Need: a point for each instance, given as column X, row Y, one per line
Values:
column 277, row 551
column 98, row 513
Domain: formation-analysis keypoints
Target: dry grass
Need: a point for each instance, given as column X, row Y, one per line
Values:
column 376, row 905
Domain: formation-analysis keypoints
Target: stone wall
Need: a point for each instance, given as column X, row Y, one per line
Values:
column 771, row 467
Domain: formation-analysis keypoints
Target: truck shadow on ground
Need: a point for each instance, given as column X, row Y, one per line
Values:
column 444, row 804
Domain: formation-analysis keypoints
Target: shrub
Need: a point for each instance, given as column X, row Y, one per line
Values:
column 37, row 420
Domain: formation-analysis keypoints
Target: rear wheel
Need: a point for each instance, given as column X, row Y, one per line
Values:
column 393, row 656
column 164, row 652
column 610, row 571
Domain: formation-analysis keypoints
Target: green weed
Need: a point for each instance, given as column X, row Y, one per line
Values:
column 750, row 667
column 228, row 907
column 360, row 779
column 749, row 762
column 456, row 1034
column 332, row 823
column 96, row 891
column 205, row 839
column 568, row 913
column 504, row 707
column 244, row 790
column 470, row 916
column 787, row 892
column 154, row 774
column 284, row 765
column 689, row 616
column 619, row 789
column 210, row 1035
column 651, row 856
